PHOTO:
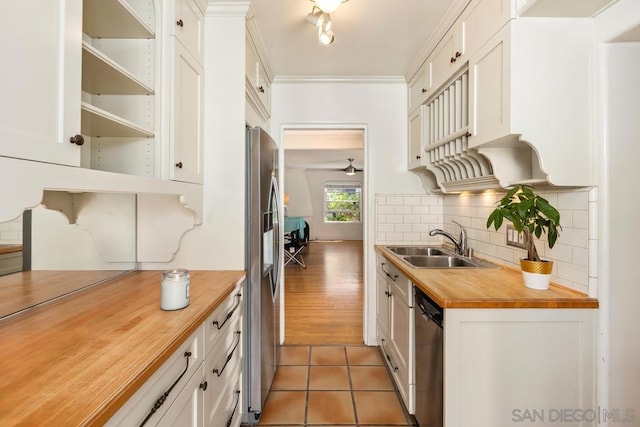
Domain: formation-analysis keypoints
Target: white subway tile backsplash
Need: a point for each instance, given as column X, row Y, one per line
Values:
column 572, row 200
column 580, row 257
column 581, row 219
column 575, row 252
column 385, row 209
column 402, row 210
column 420, row 210
column 559, row 252
column 412, row 201
column 394, row 219
column 411, row 219
column 402, row 228
column 395, row 200
column 566, row 217
column 385, row 227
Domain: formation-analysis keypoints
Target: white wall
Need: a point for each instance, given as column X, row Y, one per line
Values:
column 618, row 129
column 621, row 232
column 379, row 107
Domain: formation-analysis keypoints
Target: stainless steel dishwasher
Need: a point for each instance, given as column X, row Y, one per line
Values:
column 429, row 320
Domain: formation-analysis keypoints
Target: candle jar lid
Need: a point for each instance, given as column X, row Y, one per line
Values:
column 176, row 274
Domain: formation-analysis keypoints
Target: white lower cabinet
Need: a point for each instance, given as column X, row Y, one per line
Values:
column 397, row 341
column 187, row 408
column 200, row 384
column 502, row 364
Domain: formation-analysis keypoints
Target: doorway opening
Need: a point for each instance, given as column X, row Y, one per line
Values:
column 324, row 188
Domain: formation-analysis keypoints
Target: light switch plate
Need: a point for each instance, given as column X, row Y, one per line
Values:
column 514, row 238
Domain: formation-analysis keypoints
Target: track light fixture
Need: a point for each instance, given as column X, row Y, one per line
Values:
column 322, row 21
column 328, row 6
column 321, row 18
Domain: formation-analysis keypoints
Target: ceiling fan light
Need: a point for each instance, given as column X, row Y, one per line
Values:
column 350, row 170
column 328, row 6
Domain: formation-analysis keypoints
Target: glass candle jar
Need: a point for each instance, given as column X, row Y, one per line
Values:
column 174, row 293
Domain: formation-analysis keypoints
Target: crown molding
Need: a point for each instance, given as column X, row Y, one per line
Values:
column 340, row 79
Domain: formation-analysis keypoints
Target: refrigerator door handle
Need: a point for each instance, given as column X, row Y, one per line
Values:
column 274, row 208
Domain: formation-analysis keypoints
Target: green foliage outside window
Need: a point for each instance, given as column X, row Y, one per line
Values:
column 342, row 202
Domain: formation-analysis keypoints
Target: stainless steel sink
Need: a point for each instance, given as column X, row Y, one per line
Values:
column 436, row 257
column 418, row 250
column 439, row 262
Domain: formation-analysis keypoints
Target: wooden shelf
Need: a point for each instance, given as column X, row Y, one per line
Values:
column 114, row 19
column 101, row 75
column 98, row 122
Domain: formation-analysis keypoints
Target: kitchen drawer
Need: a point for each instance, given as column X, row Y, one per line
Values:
column 400, row 285
column 223, row 372
column 218, row 323
column 179, row 367
column 223, row 364
column 227, row 412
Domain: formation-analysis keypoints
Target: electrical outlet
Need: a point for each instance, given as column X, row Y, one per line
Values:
column 514, row 238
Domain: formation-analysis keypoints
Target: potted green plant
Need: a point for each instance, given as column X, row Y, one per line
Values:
column 530, row 215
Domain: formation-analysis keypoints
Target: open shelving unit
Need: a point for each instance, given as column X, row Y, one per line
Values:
column 118, row 78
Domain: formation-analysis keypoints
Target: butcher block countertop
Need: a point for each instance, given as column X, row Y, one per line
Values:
column 77, row 360
column 486, row 287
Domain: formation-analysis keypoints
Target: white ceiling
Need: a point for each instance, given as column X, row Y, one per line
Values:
column 327, row 149
column 373, row 37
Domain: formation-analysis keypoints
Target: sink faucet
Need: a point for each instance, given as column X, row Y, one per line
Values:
column 460, row 244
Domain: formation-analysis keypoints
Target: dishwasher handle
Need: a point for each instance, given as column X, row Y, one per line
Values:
column 430, row 311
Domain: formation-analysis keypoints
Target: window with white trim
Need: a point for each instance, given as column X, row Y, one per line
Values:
column 342, row 201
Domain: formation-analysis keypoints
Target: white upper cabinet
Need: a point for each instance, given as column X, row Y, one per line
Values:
column 41, row 93
column 444, row 58
column 420, row 86
column 529, row 87
column 187, row 138
column 188, row 27
column 258, row 79
column 480, row 20
column 417, row 127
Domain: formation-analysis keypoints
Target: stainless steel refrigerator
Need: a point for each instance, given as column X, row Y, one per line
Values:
column 263, row 249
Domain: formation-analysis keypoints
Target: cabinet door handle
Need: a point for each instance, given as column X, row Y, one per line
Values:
column 164, row 396
column 392, row 277
column 453, row 59
column 261, row 89
column 235, row 407
column 458, row 54
column 219, row 372
column 219, row 325
column 179, row 165
column 424, row 90
column 203, row 386
column 179, row 23
column 77, row 139
column 418, row 157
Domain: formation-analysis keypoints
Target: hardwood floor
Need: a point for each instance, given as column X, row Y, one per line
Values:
column 324, row 302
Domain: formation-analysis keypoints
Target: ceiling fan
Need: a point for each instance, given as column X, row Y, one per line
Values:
column 351, row 170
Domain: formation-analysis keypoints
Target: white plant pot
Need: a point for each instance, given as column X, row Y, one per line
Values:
column 536, row 274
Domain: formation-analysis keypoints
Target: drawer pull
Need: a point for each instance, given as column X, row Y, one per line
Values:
column 164, row 396
column 180, row 23
column 392, row 277
column 229, row 314
column 235, row 408
column 219, row 372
